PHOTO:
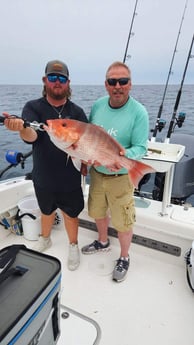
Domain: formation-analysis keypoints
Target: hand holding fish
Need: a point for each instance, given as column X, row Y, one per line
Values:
column 84, row 169
column 117, row 166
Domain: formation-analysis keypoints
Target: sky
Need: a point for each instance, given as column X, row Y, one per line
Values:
column 91, row 34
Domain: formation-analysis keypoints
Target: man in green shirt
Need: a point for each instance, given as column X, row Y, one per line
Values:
column 126, row 120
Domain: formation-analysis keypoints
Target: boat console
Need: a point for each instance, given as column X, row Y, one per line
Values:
column 163, row 157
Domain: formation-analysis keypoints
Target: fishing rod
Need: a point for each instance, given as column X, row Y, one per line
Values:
column 15, row 158
column 130, row 32
column 159, row 122
column 174, row 120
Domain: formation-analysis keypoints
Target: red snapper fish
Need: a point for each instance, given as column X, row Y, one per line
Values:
column 91, row 143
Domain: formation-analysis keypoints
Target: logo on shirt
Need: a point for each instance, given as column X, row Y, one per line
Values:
column 113, row 132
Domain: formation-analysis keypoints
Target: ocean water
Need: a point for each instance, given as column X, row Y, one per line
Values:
column 13, row 98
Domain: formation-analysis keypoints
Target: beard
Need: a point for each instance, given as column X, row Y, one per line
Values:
column 58, row 93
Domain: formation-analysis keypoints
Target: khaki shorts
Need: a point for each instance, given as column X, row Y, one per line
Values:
column 115, row 194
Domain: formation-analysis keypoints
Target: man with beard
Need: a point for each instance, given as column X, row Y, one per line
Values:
column 57, row 182
column 126, row 120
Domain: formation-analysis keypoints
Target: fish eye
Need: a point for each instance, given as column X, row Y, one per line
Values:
column 64, row 124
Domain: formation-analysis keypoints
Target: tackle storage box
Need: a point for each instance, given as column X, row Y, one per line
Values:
column 29, row 297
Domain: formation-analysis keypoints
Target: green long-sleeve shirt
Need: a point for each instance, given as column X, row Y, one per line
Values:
column 129, row 125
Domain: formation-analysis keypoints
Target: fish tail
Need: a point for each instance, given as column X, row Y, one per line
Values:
column 137, row 172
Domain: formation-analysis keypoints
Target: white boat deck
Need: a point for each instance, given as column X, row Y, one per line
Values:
column 154, row 305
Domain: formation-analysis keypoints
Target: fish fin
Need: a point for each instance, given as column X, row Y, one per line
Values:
column 138, row 170
column 67, row 159
column 76, row 163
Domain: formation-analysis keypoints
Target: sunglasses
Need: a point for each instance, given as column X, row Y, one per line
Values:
column 114, row 81
column 54, row 77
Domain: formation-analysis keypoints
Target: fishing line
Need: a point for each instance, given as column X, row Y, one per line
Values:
column 173, row 120
column 130, row 32
column 159, row 125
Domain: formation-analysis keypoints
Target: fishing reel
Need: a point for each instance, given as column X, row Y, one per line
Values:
column 13, row 157
column 180, row 120
column 161, row 124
